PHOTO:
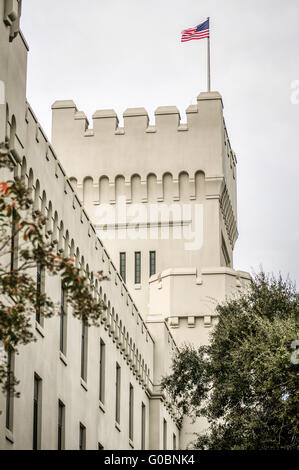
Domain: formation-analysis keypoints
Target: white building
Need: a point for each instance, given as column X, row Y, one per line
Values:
column 152, row 206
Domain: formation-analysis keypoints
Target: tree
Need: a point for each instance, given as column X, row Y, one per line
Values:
column 245, row 382
column 24, row 249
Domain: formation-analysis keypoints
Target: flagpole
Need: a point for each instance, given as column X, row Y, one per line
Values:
column 209, row 61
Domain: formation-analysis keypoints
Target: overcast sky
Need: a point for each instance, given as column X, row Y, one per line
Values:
column 127, row 53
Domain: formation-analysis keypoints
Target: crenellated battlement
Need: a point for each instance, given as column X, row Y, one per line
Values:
column 139, row 146
column 135, row 119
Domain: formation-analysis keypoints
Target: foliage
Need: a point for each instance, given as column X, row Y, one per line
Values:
column 25, row 248
column 244, row 382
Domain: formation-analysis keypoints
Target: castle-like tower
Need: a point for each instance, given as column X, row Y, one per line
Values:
column 163, row 199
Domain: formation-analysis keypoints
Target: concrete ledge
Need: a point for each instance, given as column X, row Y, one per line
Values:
column 104, row 113
column 194, row 272
column 63, row 104
column 132, row 112
column 212, row 95
column 166, row 110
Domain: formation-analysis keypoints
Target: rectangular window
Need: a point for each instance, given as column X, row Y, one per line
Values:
column 40, row 281
column 131, row 412
column 143, row 424
column 174, row 441
column 9, row 393
column 84, row 349
column 61, row 425
column 63, row 320
column 82, row 437
column 152, row 263
column 102, row 371
column 137, row 267
column 37, row 412
column 117, row 394
column 122, row 265
column 164, row 434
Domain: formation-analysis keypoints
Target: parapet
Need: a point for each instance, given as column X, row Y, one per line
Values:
column 167, row 118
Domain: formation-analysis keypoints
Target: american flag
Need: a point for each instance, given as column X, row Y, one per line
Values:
column 200, row 31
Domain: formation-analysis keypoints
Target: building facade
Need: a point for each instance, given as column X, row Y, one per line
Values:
column 154, row 207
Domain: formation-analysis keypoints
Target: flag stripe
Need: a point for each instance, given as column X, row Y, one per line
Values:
column 200, row 31
column 201, row 36
column 195, row 34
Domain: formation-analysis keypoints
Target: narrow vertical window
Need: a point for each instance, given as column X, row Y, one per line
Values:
column 38, row 292
column 122, row 265
column 63, row 320
column 143, row 424
column 137, row 267
column 102, row 371
column 82, row 437
column 40, row 278
column 9, row 393
column 174, row 441
column 12, row 255
column 164, row 434
column 117, row 394
column 131, row 412
column 61, row 425
column 14, row 243
column 84, row 348
column 37, row 412
column 152, row 263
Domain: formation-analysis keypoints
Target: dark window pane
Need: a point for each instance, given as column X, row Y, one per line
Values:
column 152, row 263
column 102, row 372
column 84, row 351
column 9, row 394
column 164, row 434
column 137, row 267
column 61, row 411
column 131, row 412
column 38, row 292
column 82, row 437
column 63, row 320
column 122, row 265
column 143, row 423
column 36, row 412
column 117, row 394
